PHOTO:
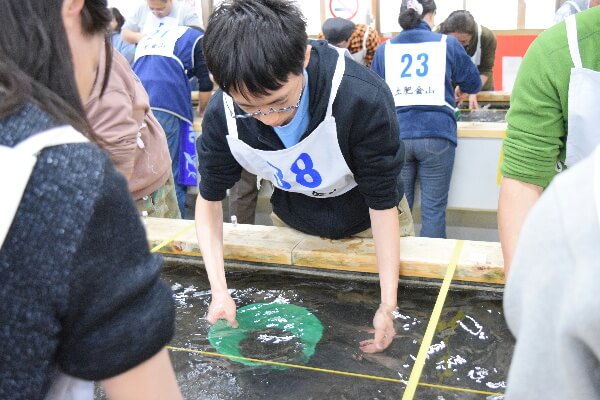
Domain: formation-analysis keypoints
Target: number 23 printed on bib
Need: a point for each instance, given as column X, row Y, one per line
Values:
column 415, row 73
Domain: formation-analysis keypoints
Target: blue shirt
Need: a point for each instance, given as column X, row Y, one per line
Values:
column 291, row 133
column 433, row 121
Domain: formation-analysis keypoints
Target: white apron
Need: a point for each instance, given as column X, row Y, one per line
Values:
column 596, row 182
column 16, row 164
column 314, row 167
column 416, row 73
column 583, row 133
column 152, row 22
column 360, row 55
column 477, row 56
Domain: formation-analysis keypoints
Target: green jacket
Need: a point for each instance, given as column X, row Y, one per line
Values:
column 538, row 114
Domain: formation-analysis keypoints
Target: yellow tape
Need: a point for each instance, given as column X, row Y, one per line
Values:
column 172, row 238
column 330, row 371
column 499, row 176
column 415, row 374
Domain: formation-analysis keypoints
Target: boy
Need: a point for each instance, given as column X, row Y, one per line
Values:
column 322, row 128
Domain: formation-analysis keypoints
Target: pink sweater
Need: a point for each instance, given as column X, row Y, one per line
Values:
column 118, row 117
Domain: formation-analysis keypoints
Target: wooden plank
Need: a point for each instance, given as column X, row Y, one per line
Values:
column 494, row 96
column 252, row 243
column 258, row 243
column 493, row 130
column 419, row 257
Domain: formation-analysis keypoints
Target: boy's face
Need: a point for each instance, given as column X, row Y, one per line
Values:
column 287, row 97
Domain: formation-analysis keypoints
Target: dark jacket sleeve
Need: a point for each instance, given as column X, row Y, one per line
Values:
column 200, row 69
column 120, row 311
column 377, row 153
column 217, row 168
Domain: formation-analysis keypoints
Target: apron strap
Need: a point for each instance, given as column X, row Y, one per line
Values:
column 20, row 161
column 574, row 5
column 571, row 25
column 366, row 37
column 337, row 79
column 231, row 122
column 53, row 137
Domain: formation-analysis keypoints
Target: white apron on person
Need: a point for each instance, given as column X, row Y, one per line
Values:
column 153, row 23
column 583, row 133
column 360, row 55
column 477, row 56
column 314, row 167
column 16, row 166
column 416, row 73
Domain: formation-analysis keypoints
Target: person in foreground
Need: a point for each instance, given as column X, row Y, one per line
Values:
column 553, row 118
column 81, row 297
column 316, row 124
column 556, row 320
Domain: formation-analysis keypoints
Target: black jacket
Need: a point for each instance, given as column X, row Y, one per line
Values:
column 79, row 289
column 369, row 138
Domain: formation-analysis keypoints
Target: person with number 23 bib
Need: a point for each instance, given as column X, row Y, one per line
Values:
column 420, row 67
column 317, row 125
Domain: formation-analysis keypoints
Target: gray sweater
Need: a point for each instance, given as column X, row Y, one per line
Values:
column 551, row 301
column 79, row 290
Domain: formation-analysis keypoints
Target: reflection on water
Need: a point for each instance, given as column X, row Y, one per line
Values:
column 471, row 348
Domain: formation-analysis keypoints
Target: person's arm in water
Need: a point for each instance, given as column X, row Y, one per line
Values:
column 209, row 228
column 154, row 379
column 516, row 199
column 386, row 234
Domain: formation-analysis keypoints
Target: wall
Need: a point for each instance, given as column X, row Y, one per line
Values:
column 509, row 46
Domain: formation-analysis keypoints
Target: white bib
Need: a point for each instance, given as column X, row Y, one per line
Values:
column 584, row 97
column 16, row 165
column 161, row 42
column 314, row 167
column 416, row 73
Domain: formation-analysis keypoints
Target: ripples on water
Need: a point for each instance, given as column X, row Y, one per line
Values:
column 471, row 348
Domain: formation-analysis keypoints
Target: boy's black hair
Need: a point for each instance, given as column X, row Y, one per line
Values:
column 35, row 58
column 409, row 18
column 251, row 46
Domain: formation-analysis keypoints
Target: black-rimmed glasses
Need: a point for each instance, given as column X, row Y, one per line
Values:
column 260, row 113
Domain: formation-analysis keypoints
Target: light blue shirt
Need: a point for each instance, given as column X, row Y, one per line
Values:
column 291, row 133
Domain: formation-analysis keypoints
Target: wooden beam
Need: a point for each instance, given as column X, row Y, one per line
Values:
column 284, row 247
column 375, row 13
column 521, row 12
